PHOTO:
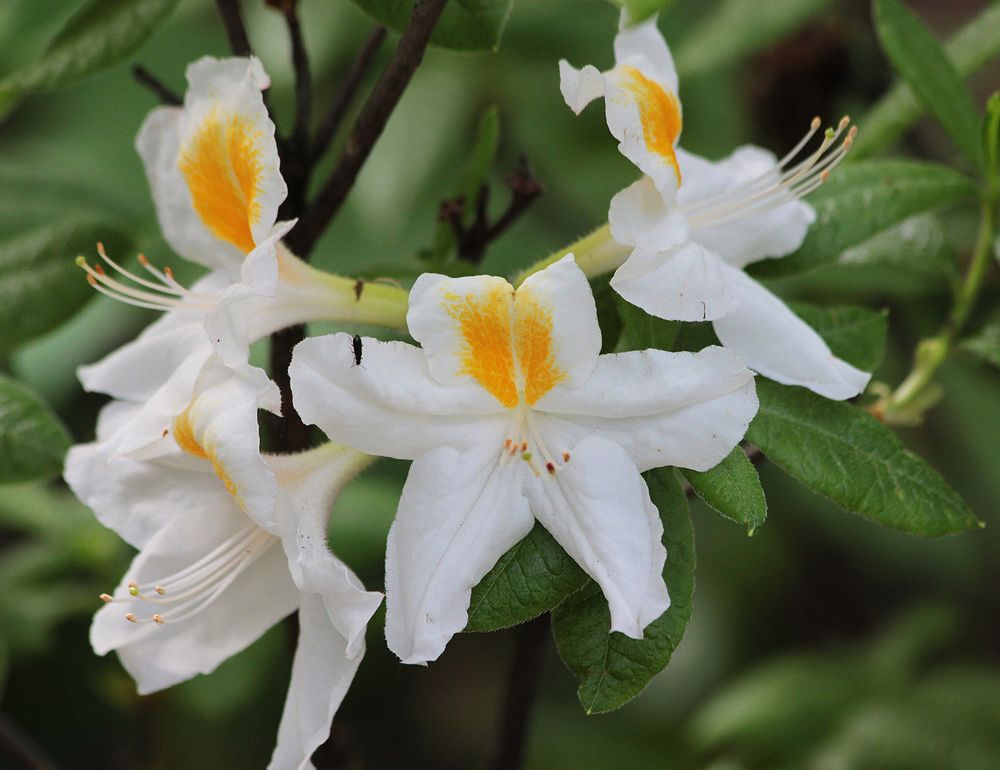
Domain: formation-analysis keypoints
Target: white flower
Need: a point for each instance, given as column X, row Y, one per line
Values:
column 694, row 225
column 510, row 414
column 223, row 556
column 213, row 169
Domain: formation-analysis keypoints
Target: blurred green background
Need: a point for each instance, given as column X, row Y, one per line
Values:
column 822, row 642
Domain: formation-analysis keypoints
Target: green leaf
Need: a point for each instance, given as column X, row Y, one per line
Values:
column 977, row 43
column 465, row 25
column 986, row 344
column 612, row 668
column 864, row 199
column 737, row 28
column 642, row 331
column 845, row 454
column 608, row 317
column 733, row 489
column 855, row 334
column 919, row 59
column 991, row 140
column 40, row 286
column 32, row 440
column 531, row 578
column 101, row 34
column 640, row 10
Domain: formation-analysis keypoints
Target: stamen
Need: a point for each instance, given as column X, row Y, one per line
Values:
column 771, row 189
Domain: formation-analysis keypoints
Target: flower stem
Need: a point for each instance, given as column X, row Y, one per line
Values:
column 909, row 401
column 596, row 254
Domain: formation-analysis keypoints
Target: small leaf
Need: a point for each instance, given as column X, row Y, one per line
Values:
column 986, row 344
column 737, row 28
column 465, row 25
column 40, row 286
column 101, row 34
column 922, row 63
column 640, row 10
column 845, row 454
column 855, row 334
column 642, row 331
column 733, row 489
column 864, row 199
column 612, row 668
column 531, row 578
column 32, row 440
column 974, row 45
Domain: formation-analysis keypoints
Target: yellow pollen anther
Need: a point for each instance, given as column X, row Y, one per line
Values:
column 160, row 590
column 158, row 619
column 107, row 598
column 133, row 589
column 130, row 617
column 526, row 456
column 816, row 123
column 565, row 457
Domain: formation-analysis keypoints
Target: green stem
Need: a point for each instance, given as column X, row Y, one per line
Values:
column 933, row 351
column 596, row 254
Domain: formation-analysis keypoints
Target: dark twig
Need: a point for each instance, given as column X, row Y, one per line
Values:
column 348, row 89
column 232, row 20
column 15, row 745
column 369, row 125
column 163, row 92
column 474, row 239
column 519, row 697
column 303, row 77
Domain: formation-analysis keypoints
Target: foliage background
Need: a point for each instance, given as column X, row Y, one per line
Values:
column 824, row 641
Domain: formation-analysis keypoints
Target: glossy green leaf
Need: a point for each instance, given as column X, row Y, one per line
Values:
column 864, row 199
column 738, row 28
column 986, row 344
column 40, row 286
column 855, row 334
column 465, row 25
column 641, row 330
column 32, row 440
column 842, row 452
column 531, row 578
column 733, row 489
column 919, row 59
column 101, row 34
column 976, row 44
column 612, row 668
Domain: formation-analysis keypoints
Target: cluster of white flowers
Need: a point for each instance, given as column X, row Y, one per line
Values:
column 507, row 409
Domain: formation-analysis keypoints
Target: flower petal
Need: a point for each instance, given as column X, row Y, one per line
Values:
column 389, row 405
column 158, row 656
column 598, row 509
column 643, row 46
column 684, row 409
column 781, row 346
column 458, row 514
column 684, row 283
column 765, row 234
column 311, row 482
column 639, row 217
column 213, row 165
column 580, row 87
column 556, row 335
column 321, row 674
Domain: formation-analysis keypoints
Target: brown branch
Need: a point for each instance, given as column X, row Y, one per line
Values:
column 303, row 76
column 369, row 125
column 519, row 697
column 163, row 92
column 232, row 19
column 345, row 95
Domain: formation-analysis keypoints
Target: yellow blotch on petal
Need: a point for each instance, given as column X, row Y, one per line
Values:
column 185, row 438
column 223, row 167
column 659, row 113
column 486, row 354
column 534, row 346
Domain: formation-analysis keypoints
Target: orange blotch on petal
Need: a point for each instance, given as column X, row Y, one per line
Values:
column 534, row 346
column 486, row 354
column 222, row 165
column 185, row 438
column 659, row 113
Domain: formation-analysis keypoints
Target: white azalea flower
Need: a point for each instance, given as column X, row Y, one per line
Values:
column 213, row 169
column 510, row 414
column 223, row 556
column 694, row 225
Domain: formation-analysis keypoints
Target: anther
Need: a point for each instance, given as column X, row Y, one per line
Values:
column 169, row 272
column 816, row 123
column 133, row 588
column 143, row 260
column 160, row 590
column 524, row 446
column 565, row 457
column 550, row 467
column 158, row 619
column 107, row 598
column 526, row 456
column 130, row 617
